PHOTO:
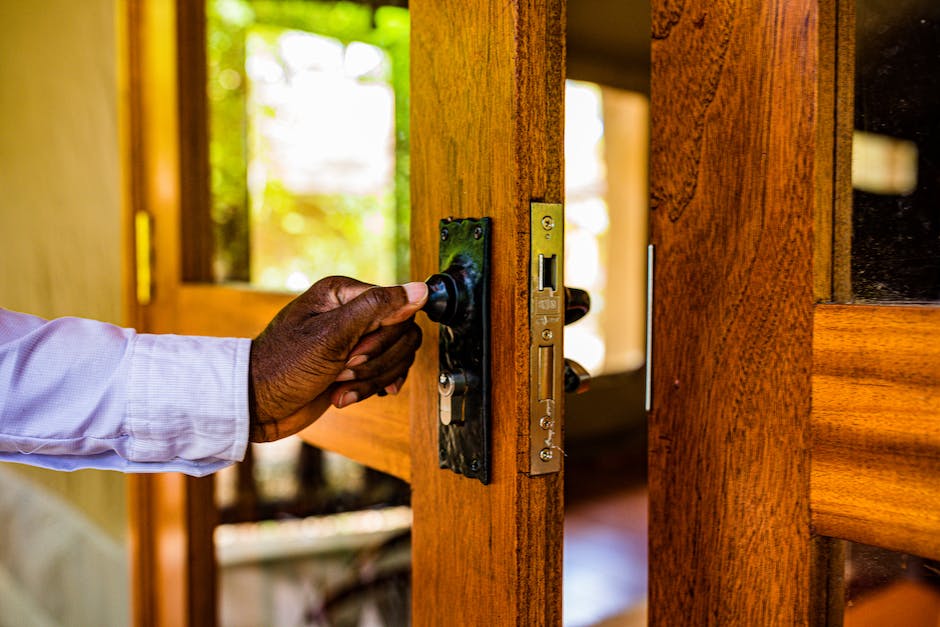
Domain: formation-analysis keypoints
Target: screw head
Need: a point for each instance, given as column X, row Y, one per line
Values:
column 548, row 223
column 546, row 454
column 547, row 334
column 546, row 423
column 475, row 465
column 444, row 234
column 477, row 232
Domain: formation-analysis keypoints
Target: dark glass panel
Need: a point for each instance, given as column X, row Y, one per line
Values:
column 896, row 155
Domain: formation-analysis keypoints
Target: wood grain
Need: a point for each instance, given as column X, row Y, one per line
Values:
column 375, row 432
column 734, row 147
column 487, row 138
column 876, row 426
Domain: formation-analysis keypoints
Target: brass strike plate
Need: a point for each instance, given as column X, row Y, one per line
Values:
column 546, row 325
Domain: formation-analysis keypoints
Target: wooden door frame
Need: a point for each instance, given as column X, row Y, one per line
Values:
column 475, row 68
column 778, row 419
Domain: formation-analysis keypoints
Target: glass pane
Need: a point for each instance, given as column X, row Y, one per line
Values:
column 896, row 152
column 887, row 588
column 309, row 537
column 308, row 124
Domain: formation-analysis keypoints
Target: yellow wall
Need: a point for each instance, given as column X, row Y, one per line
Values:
column 60, row 247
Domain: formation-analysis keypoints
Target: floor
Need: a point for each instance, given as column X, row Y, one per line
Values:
column 605, row 574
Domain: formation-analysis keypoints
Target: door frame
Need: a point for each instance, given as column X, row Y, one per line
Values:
column 780, row 418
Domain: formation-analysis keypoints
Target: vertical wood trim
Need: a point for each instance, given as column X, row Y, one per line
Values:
column 130, row 151
column 734, row 137
column 171, row 515
column 825, row 153
column 173, row 565
column 845, row 126
column 487, row 138
column 196, row 222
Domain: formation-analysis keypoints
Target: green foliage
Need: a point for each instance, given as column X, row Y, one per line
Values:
column 329, row 232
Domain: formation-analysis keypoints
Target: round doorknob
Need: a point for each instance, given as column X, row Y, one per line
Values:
column 441, row 305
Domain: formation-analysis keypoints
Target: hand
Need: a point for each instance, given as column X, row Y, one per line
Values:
column 339, row 342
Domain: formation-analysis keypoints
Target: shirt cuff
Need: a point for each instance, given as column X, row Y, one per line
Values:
column 188, row 400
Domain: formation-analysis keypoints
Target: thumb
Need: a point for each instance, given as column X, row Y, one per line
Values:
column 380, row 307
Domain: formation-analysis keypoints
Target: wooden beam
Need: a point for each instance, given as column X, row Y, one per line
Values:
column 876, row 426
column 734, row 149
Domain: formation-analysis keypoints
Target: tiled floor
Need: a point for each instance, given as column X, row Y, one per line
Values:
column 605, row 574
column 605, row 558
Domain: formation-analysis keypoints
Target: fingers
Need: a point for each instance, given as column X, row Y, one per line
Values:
column 370, row 310
column 390, row 350
column 379, row 341
column 390, row 381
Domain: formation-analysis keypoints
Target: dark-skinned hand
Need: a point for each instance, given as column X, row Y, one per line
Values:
column 339, row 342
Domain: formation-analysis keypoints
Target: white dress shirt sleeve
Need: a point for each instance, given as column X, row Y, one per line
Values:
column 77, row 393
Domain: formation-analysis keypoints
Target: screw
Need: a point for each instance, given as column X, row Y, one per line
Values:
column 547, row 223
column 546, row 423
column 547, row 334
column 546, row 454
column 475, row 465
column 444, row 234
column 477, row 232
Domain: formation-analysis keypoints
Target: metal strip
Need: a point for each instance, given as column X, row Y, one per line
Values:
column 650, row 257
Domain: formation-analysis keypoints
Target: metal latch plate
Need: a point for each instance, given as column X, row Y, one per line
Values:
column 546, row 324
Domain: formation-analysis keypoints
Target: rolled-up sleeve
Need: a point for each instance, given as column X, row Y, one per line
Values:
column 77, row 393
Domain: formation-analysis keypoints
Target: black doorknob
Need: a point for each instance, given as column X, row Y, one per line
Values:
column 577, row 304
column 443, row 297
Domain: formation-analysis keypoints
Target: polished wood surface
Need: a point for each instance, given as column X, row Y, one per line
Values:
column 734, row 132
column 487, row 138
column 375, row 432
column 876, row 426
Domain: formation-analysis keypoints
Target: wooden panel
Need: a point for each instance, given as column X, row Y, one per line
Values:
column 733, row 168
column 224, row 311
column 375, row 432
column 876, row 426
column 487, row 122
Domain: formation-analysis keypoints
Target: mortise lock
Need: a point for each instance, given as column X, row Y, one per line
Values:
column 458, row 298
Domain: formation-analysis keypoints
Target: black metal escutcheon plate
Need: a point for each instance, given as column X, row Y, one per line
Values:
column 464, row 346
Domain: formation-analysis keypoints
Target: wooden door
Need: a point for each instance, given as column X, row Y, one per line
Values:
column 780, row 420
column 486, row 140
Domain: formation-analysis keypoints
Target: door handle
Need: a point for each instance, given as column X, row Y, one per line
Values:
column 577, row 305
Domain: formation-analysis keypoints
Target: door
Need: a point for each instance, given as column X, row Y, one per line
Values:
column 486, row 141
column 785, row 418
